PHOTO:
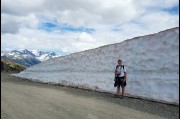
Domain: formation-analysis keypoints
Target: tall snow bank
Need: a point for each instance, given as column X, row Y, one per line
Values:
column 152, row 63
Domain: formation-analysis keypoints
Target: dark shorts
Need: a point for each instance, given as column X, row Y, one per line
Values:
column 120, row 82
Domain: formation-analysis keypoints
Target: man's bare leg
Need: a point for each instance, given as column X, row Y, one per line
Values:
column 118, row 90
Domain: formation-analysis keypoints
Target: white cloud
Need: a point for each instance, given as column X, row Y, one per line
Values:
column 9, row 24
column 157, row 3
column 91, row 12
column 12, row 24
column 113, row 21
column 84, row 37
column 21, row 7
column 159, row 21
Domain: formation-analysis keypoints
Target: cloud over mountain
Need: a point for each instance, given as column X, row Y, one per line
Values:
column 58, row 24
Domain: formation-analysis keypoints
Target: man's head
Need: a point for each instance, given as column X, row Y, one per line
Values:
column 119, row 62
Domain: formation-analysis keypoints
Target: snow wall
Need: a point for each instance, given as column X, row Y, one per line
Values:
column 152, row 63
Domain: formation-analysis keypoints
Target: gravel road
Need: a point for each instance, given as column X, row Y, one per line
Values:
column 23, row 99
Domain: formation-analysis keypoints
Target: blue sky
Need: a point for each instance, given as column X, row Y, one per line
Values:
column 50, row 27
column 173, row 9
column 68, row 26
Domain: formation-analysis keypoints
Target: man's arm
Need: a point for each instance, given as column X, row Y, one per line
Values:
column 115, row 71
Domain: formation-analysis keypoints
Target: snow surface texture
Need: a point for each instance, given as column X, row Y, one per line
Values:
column 152, row 64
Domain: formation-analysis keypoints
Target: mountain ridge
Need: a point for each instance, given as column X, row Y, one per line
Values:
column 28, row 57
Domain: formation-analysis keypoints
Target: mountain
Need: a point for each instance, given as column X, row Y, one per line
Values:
column 10, row 66
column 27, row 57
column 152, row 64
column 28, row 53
column 42, row 56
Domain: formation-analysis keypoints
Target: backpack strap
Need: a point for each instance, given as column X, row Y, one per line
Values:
column 123, row 67
column 117, row 66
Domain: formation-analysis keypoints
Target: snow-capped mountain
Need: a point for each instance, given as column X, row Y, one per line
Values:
column 28, row 57
column 28, row 53
column 152, row 63
column 42, row 56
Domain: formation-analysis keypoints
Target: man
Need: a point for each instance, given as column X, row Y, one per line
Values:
column 120, row 77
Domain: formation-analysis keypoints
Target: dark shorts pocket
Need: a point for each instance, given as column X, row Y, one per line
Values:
column 123, row 83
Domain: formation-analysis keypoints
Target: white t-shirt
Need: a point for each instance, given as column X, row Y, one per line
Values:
column 120, row 70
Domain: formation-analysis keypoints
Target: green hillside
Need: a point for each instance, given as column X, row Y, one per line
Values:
column 10, row 66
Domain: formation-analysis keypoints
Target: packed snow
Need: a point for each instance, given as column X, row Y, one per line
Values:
column 152, row 63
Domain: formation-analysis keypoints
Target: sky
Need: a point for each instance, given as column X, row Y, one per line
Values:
column 69, row 26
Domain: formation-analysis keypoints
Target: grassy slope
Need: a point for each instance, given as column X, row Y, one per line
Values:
column 10, row 66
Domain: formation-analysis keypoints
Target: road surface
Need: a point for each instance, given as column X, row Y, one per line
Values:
column 23, row 99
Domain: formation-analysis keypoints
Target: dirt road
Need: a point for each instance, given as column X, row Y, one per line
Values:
column 23, row 99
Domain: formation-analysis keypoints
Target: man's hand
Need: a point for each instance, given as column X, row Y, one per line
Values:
column 124, row 78
column 115, row 72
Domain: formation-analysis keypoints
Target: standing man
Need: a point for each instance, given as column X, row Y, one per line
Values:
column 120, row 77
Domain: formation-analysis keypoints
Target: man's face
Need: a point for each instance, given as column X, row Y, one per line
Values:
column 119, row 62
